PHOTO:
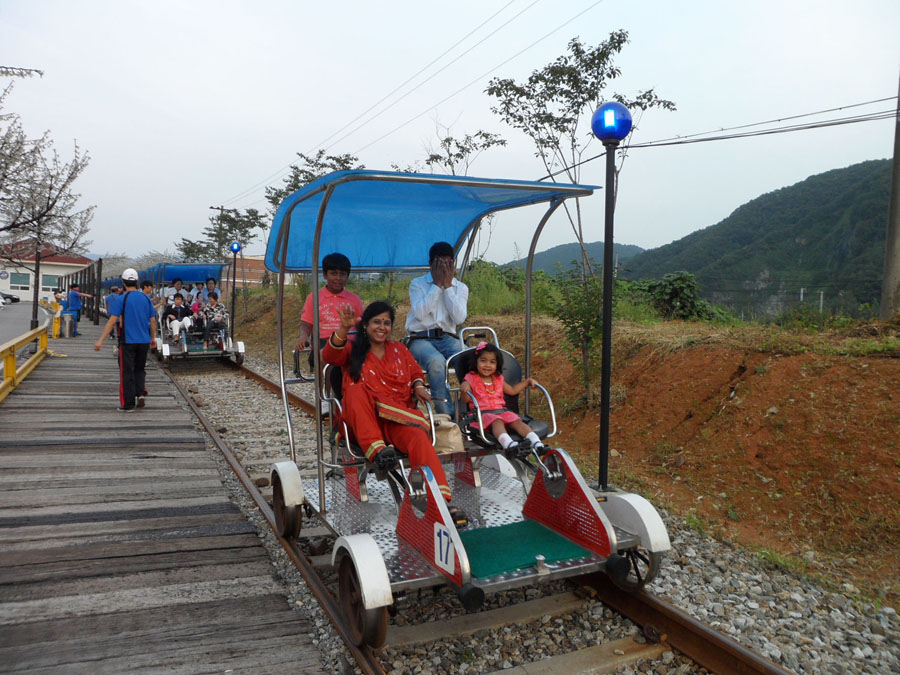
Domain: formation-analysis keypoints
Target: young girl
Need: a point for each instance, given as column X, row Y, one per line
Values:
column 484, row 382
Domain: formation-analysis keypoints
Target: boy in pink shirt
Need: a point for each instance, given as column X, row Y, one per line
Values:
column 332, row 298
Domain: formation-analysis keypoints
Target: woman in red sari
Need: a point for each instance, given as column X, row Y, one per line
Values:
column 381, row 378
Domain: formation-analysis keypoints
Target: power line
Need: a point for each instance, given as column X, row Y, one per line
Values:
column 466, row 86
column 429, row 78
column 396, row 89
column 779, row 119
column 692, row 138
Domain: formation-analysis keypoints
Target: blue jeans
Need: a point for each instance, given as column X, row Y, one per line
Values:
column 432, row 355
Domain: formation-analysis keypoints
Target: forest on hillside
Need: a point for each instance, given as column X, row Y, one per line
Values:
column 821, row 240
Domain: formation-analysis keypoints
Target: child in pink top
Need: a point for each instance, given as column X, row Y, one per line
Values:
column 484, row 382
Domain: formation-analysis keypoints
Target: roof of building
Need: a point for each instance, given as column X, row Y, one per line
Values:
column 24, row 250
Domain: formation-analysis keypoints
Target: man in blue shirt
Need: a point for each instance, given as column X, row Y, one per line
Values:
column 75, row 304
column 134, row 313
column 210, row 287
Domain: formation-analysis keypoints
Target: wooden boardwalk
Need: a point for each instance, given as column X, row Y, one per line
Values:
column 119, row 548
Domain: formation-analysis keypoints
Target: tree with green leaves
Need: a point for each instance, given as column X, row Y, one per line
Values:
column 554, row 105
column 311, row 168
column 553, row 108
column 455, row 155
column 228, row 226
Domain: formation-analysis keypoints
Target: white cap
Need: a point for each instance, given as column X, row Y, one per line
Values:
column 129, row 275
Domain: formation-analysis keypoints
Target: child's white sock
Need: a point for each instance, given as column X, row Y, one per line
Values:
column 535, row 439
column 505, row 440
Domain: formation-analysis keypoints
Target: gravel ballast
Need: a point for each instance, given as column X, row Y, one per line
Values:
column 789, row 620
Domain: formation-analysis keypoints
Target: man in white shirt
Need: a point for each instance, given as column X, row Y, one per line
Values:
column 177, row 288
column 439, row 304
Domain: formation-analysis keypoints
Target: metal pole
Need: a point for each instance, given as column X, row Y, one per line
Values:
column 233, row 289
column 606, row 362
column 890, row 284
column 529, row 267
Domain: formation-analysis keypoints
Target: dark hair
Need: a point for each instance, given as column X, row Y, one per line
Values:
column 176, row 280
column 73, row 286
column 210, row 279
column 362, row 345
column 177, row 295
column 146, row 282
column 336, row 261
column 490, row 348
column 438, row 250
column 213, row 295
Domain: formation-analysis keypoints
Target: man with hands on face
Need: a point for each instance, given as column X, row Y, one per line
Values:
column 380, row 380
column 439, row 304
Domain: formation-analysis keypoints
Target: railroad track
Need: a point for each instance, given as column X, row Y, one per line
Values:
column 662, row 624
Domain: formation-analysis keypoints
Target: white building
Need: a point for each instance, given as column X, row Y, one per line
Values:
column 19, row 279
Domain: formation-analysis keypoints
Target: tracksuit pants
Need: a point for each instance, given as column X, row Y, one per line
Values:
column 132, row 376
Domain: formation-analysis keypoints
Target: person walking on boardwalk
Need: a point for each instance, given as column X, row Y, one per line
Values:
column 134, row 313
column 75, row 296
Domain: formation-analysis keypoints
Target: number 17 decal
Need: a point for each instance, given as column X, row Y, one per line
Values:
column 444, row 553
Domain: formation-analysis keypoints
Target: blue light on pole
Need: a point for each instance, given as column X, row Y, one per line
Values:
column 235, row 249
column 611, row 122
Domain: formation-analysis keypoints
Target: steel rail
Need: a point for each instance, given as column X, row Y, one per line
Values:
column 365, row 657
column 663, row 622
column 660, row 620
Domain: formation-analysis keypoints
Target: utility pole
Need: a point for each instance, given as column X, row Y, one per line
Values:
column 890, row 285
column 821, row 300
column 221, row 209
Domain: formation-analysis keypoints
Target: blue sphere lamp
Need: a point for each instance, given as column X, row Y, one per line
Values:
column 611, row 122
column 235, row 247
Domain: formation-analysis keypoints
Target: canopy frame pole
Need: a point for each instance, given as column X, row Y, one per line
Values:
column 279, row 308
column 470, row 232
column 529, row 265
column 314, row 343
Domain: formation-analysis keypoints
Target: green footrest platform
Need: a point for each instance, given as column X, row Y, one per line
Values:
column 497, row 550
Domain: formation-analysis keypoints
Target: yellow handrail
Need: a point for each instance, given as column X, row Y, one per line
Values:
column 12, row 375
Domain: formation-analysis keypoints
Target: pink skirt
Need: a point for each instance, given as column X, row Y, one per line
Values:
column 488, row 418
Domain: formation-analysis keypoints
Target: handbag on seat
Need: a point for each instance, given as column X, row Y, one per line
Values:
column 448, row 437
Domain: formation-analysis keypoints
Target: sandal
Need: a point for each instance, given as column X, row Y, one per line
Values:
column 385, row 459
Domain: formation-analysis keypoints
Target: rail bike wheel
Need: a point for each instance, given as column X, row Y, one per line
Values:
column 643, row 566
column 287, row 518
column 239, row 359
column 365, row 626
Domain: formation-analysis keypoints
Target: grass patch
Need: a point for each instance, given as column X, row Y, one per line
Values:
column 697, row 523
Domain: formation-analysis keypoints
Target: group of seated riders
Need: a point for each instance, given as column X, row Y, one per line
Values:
column 202, row 309
column 383, row 380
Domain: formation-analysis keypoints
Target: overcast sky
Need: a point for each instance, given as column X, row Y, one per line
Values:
column 184, row 105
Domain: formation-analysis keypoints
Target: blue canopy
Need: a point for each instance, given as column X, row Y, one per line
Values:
column 166, row 273
column 385, row 220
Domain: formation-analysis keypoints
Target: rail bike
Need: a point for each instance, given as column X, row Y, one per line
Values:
column 188, row 344
column 532, row 516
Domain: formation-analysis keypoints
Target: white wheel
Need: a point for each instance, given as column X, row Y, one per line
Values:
column 287, row 518
column 287, row 499
column 365, row 626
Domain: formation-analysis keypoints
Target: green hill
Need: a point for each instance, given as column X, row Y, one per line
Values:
column 824, row 235
column 562, row 256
